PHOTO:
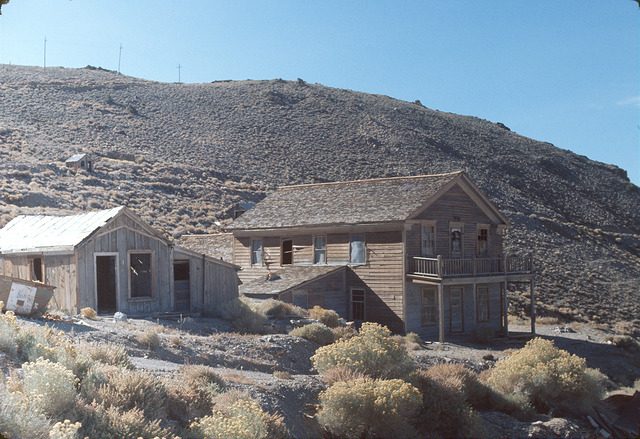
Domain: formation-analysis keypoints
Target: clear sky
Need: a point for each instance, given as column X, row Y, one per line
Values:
column 562, row 71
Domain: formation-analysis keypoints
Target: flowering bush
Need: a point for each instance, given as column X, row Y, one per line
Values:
column 49, row 386
column 548, row 378
column 366, row 407
column 372, row 352
column 19, row 418
column 65, row 430
column 8, row 333
column 237, row 416
column 315, row 332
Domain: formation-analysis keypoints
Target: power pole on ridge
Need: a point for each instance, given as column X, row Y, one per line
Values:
column 119, row 57
column 44, row 62
column 179, row 68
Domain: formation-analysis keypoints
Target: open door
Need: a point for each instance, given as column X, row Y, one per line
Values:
column 181, row 286
column 106, row 284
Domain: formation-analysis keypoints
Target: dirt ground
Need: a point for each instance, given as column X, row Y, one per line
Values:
column 277, row 371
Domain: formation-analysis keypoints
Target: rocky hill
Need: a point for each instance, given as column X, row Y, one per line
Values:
column 182, row 155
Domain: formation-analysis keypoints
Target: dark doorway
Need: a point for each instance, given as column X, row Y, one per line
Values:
column 287, row 252
column 181, row 288
column 106, row 283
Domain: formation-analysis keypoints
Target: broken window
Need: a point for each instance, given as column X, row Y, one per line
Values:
column 287, row 252
column 256, row 252
column 36, row 270
column 320, row 250
column 483, row 241
column 357, row 304
column 482, row 304
column 456, row 241
column 358, row 253
column 140, row 274
column 429, row 306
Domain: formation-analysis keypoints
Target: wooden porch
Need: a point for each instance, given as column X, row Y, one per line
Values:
column 442, row 267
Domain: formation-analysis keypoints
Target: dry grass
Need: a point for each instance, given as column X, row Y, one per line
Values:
column 238, row 378
column 282, row 375
column 149, row 339
column 89, row 313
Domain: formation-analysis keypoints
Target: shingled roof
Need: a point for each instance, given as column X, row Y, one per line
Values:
column 348, row 202
column 285, row 279
column 218, row 246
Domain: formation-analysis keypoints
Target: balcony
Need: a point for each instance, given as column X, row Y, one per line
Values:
column 442, row 267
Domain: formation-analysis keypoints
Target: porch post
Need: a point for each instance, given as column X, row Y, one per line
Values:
column 505, row 310
column 532, row 293
column 440, row 313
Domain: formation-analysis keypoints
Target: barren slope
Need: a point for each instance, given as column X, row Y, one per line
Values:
column 182, row 154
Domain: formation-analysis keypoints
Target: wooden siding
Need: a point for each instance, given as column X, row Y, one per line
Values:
column 455, row 206
column 328, row 292
column 471, row 325
column 121, row 237
column 218, row 284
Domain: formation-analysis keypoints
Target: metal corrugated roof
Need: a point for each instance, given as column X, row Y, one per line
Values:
column 75, row 158
column 46, row 233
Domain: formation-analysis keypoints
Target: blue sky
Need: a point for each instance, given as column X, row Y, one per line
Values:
column 562, row 71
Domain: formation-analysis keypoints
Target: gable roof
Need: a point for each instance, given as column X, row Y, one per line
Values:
column 285, row 279
column 379, row 200
column 75, row 158
column 218, row 246
column 47, row 233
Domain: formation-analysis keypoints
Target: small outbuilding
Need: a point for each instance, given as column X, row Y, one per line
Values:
column 111, row 260
column 80, row 161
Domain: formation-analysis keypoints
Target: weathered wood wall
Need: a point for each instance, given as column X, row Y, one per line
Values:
column 328, row 292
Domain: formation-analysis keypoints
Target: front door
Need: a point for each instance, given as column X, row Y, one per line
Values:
column 455, row 309
column 181, row 286
column 106, row 283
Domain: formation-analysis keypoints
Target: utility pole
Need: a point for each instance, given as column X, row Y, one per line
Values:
column 44, row 63
column 179, row 68
column 119, row 58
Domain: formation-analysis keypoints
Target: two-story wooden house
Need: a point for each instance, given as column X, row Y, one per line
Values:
column 421, row 254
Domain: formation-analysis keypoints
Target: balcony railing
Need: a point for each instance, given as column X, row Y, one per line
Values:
column 458, row 267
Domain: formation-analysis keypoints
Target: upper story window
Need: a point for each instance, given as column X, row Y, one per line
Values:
column 140, row 281
column 286, row 252
column 358, row 249
column 319, row 249
column 256, row 252
column 483, row 240
column 428, row 239
column 455, row 232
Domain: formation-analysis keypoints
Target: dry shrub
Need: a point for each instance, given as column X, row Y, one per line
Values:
column 462, row 380
column 125, row 389
column 243, row 318
column 411, row 341
column 445, row 413
column 341, row 373
column 369, row 408
column 149, row 339
column 107, row 353
column 50, row 387
column 100, row 422
column 372, row 352
column 315, row 332
column 627, row 328
column 277, row 309
column 89, row 313
column 625, row 342
column 190, row 393
column 343, row 332
column 548, row 378
column 237, row 416
column 282, row 375
column 65, row 430
column 327, row 316
column 20, row 417
column 9, row 334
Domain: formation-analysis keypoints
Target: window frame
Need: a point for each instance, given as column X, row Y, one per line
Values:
column 424, row 321
column 364, row 248
column 483, row 290
column 480, row 228
column 428, row 224
column 316, row 249
column 151, row 254
column 364, row 303
column 282, row 241
column 456, row 226
column 257, row 263
column 32, row 269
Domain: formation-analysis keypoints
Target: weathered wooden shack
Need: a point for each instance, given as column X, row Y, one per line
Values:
column 111, row 260
column 422, row 253
column 80, row 161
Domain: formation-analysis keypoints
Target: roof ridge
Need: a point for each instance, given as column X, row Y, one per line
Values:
column 205, row 234
column 367, row 180
column 42, row 215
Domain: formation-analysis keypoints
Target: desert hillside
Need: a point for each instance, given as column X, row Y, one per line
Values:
column 182, row 155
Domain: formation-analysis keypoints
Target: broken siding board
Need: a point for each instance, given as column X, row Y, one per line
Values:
column 338, row 248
